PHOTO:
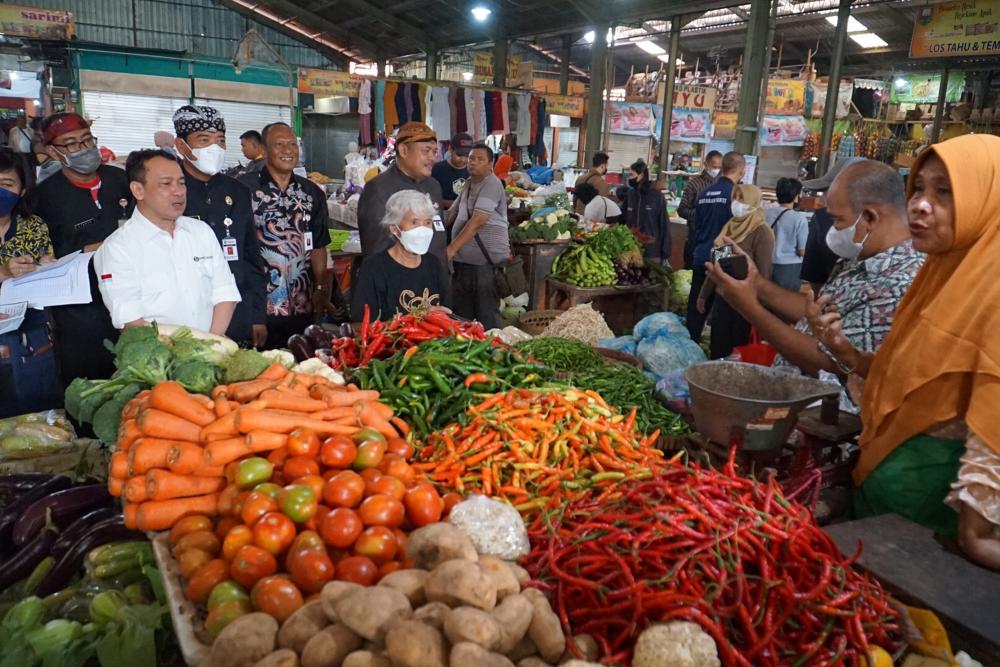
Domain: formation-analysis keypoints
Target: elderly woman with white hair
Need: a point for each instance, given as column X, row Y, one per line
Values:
column 389, row 280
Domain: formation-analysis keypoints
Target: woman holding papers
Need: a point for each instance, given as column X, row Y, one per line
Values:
column 29, row 380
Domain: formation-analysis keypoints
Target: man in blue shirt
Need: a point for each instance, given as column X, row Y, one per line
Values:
column 713, row 211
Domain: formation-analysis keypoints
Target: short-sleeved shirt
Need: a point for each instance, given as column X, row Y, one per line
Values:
column 25, row 236
column 146, row 273
column 790, row 234
column 291, row 223
column 383, row 284
column 488, row 196
column 448, row 177
column 711, row 213
column 600, row 209
column 78, row 216
column 819, row 261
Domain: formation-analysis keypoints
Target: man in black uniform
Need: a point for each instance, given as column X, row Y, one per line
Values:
column 81, row 206
column 225, row 205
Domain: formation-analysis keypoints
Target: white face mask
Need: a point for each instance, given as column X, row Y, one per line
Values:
column 417, row 240
column 714, row 173
column 740, row 209
column 841, row 241
column 209, row 160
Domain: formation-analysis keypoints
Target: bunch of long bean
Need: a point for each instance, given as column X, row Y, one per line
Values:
column 562, row 354
column 626, row 387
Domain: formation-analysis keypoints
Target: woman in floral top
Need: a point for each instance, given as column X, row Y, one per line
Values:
column 29, row 380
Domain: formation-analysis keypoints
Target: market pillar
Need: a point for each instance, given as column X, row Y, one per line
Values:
column 564, row 56
column 833, row 86
column 432, row 63
column 500, row 63
column 380, row 68
column 939, row 110
column 668, row 92
column 754, row 66
column 595, row 96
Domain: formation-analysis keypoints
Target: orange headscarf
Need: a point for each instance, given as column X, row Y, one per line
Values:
column 941, row 360
column 502, row 167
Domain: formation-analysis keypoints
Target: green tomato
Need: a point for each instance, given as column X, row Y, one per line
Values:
column 368, row 434
column 253, row 471
column 299, row 503
column 227, row 591
column 268, row 489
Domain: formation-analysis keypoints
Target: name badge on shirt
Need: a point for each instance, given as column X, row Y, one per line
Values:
column 229, row 250
column 308, row 240
column 438, row 224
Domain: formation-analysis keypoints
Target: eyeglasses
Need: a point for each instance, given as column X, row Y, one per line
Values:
column 75, row 146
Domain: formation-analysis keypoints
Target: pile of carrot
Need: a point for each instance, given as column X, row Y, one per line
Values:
column 173, row 447
column 536, row 449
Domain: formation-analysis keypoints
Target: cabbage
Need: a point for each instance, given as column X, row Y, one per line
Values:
column 668, row 352
column 680, row 290
column 624, row 344
column 658, row 324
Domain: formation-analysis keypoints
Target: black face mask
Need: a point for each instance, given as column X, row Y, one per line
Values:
column 633, row 182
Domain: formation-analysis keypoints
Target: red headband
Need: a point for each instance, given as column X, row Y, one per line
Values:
column 68, row 123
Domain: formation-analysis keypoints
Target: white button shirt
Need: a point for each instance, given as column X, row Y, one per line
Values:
column 145, row 273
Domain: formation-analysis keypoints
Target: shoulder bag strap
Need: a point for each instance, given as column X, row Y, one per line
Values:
column 774, row 224
column 469, row 212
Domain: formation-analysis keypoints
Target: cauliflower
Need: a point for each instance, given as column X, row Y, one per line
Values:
column 563, row 236
column 562, row 212
column 283, row 357
column 552, row 219
column 316, row 366
column 678, row 644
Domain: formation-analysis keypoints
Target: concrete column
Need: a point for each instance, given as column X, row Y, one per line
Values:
column 595, row 96
column 500, row 51
column 833, row 86
column 939, row 111
column 754, row 58
column 432, row 63
column 668, row 92
column 564, row 56
column 380, row 68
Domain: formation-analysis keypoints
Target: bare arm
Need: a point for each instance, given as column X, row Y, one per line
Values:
column 789, row 306
column 317, row 263
column 222, row 314
column 798, row 348
column 975, row 538
column 469, row 231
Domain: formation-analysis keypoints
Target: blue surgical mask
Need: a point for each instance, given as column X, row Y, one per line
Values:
column 8, row 200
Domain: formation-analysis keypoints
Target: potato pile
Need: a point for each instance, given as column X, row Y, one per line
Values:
column 454, row 609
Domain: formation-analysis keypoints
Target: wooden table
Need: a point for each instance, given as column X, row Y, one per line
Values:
column 538, row 257
column 619, row 304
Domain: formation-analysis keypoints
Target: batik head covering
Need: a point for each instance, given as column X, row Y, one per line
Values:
column 190, row 119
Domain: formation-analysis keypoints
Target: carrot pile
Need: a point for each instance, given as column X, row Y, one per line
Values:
column 173, row 447
column 537, row 449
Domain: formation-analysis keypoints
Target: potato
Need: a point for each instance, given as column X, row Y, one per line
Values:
column 280, row 658
column 533, row 661
column 432, row 545
column 545, row 629
column 519, row 572
column 524, row 649
column 433, row 614
column 366, row 659
column 587, row 646
column 514, row 616
column 368, row 612
column 415, row 644
column 408, row 582
column 332, row 593
column 503, row 577
column 302, row 625
column 467, row 654
column 330, row 646
column 461, row 582
column 244, row 641
column 468, row 624
column 581, row 663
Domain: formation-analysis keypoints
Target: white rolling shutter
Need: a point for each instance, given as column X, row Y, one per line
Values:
column 125, row 123
column 243, row 116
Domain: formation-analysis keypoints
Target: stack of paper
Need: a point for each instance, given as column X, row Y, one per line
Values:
column 61, row 283
column 11, row 316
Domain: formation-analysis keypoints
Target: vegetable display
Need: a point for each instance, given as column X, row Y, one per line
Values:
column 546, row 225
column 582, row 265
column 537, row 449
column 612, row 256
column 431, row 385
column 581, row 322
column 625, row 387
column 563, row 355
column 34, row 435
column 730, row 554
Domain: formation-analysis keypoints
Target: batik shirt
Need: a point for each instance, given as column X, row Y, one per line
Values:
column 25, row 236
column 290, row 224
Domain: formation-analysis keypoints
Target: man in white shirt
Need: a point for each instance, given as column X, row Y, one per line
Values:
column 597, row 208
column 161, row 266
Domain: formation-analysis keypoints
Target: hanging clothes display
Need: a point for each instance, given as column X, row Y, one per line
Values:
column 533, row 119
column 440, row 114
column 391, row 113
column 539, row 144
column 481, row 131
column 417, row 95
column 470, row 110
column 378, row 99
column 365, row 137
column 504, row 114
column 428, row 106
column 404, row 102
column 489, row 112
column 461, row 120
column 523, row 116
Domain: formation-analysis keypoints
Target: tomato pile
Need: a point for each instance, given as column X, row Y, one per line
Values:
column 311, row 512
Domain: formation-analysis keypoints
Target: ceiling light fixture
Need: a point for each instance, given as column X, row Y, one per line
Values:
column 480, row 13
column 869, row 40
column 900, row 83
column 589, row 37
column 853, row 25
column 467, row 76
column 651, row 48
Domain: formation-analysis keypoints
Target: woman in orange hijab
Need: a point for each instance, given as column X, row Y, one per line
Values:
column 503, row 167
column 931, row 403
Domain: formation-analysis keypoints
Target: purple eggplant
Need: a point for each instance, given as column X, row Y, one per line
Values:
column 21, row 564
column 68, row 537
column 317, row 336
column 300, row 347
column 20, row 482
column 64, row 506
column 13, row 511
column 346, row 330
column 109, row 530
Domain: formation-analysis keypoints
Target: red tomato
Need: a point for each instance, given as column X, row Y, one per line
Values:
column 251, row 565
column 381, row 510
column 313, row 523
column 276, row 596
column 303, row 442
column 278, row 456
column 386, row 568
column 255, row 506
column 310, row 570
column 377, row 543
column 225, row 525
column 358, row 569
column 307, row 540
column 346, row 489
column 423, row 505
column 227, row 500
column 338, row 451
column 370, row 454
column 237, row 537
column 300, row 466
column 205, row 578
column 400, row 447
column 341, row 527
column 191, row 561
column 370, row 475
column 401, row 538
column 274, row 532
column 450, row 500
column 314, row 482
column 398, row 468
column 389, row 486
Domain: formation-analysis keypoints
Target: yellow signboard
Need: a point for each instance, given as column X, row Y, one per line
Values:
column 785, row 97
column 564, row 105
column 36, row 23
column 957, row 29
column 725, row 125
column 482, row 66
column 329, row 83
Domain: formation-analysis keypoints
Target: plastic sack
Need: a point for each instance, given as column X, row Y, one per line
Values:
column 495, row 528
column 665, row 353
column 659, row 324
column 626, row 344
column 675, row 385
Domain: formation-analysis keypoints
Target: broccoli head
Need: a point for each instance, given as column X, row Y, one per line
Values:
column 107, row 418
column 244, row 365
column 146, row 360
column 73, row 397
column 196, row 375
column 132, row 335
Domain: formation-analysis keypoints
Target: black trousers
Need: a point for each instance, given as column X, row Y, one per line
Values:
column 474, row 295
column 729, row 330
column 696, row 320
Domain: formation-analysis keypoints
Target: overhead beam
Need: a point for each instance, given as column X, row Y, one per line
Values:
column 833, row 86
column 342, row 58
column 351, row 41
column 390, row 21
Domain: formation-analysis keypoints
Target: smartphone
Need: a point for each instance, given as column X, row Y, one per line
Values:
column 735, row 266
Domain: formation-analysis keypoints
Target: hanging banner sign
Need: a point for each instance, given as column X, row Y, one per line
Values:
column 957, row 29
column 36, row 23
column 565, row 105
column 816, row 99
column 785, row 96
column 783, row 131
column 694, row 97
column 482, row 66
column 640, row 119
column 724, row 123
column 923, row 88
column 691, row 125
column 328, row 83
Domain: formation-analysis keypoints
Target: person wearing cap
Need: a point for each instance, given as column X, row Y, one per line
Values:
column 81, row 206
column 223, row 203
column 818, row 260
column 292, row 222
column 453, row 172
column 416, row 152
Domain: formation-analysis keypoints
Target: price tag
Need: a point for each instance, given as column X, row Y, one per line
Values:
column 229, row 250
column 308, row 240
